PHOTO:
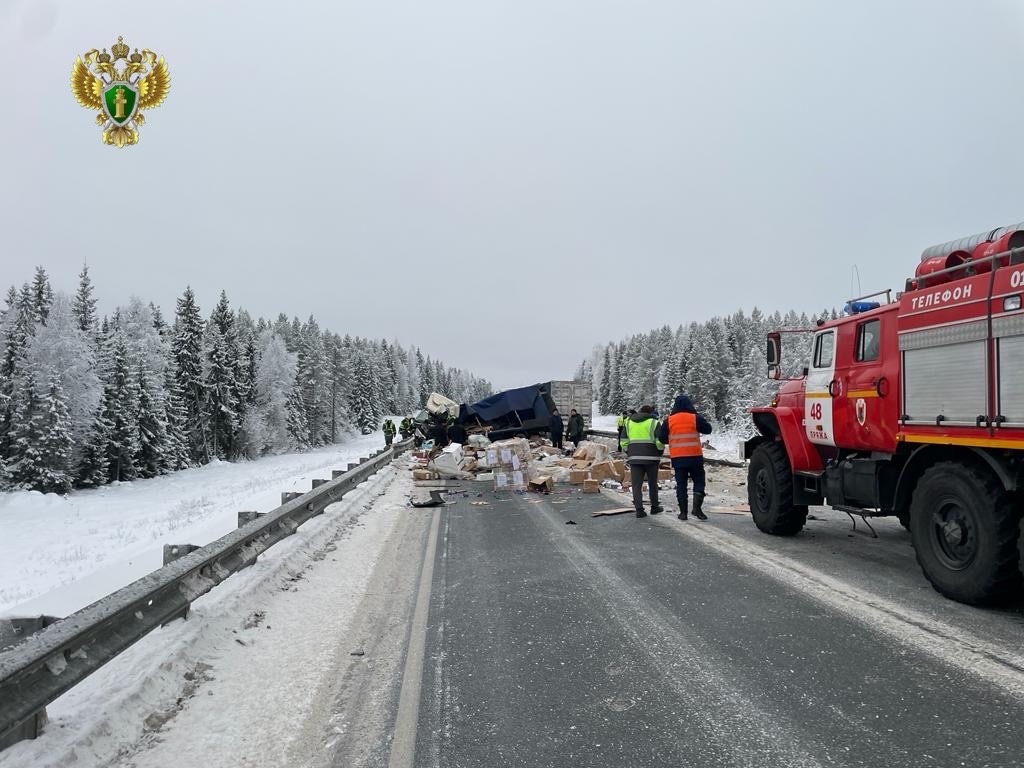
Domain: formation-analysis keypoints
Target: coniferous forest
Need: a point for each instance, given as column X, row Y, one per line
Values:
column 720, row 364
column 86, row 400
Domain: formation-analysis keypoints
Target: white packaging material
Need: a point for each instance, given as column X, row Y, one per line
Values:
column 456, row 450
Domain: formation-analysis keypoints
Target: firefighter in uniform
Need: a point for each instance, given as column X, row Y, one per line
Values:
column 644, row 450
column 389, row 431
column 682, row 432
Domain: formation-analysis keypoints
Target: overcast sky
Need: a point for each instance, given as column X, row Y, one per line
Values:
column 506, row 184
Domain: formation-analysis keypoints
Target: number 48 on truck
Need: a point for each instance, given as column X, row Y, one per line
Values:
column 912, row 407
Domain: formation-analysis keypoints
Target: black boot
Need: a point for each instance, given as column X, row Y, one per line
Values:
column 683, row 506
column 698, row 501
column 656, row 510
column 641, row 513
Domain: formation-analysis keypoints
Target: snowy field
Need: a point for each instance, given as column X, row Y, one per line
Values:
column 61, row 553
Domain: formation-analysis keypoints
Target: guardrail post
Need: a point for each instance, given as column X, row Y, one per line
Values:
column 352, row 466
column 363, row 459
column 317, row 482
column 17, row 629
column 32, row 728
column 335, row 474
column 288, row 496
column 173, row 551
column 247, row 516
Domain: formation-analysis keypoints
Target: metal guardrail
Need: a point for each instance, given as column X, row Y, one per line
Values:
column 58, row 657
column 602, row 433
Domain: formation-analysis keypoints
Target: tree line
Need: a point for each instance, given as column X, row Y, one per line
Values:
column 86, row 400
column 720, row 364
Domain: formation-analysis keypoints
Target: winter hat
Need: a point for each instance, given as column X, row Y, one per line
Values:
column 683, row 404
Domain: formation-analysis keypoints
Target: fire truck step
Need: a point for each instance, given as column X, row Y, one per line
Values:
column 863, row 514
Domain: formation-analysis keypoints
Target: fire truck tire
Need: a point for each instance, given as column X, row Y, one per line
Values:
column 965, row 532
column 770, row 492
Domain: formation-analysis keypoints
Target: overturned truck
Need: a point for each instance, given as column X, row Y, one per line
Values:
column 527, row 410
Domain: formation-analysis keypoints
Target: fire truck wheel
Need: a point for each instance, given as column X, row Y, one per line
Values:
column 965, row 531
column 770, row 492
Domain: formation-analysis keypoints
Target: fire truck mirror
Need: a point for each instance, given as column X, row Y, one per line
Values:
column 774, row 351
column 774, row 372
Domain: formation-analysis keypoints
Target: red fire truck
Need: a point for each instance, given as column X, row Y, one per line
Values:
column 913, row 408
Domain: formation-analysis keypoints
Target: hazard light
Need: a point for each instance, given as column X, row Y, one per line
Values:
column 1010, row 303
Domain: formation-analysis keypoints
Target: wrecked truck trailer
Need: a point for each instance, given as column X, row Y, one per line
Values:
column 526, row 410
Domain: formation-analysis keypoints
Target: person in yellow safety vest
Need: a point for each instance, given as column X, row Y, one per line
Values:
column 682, row 432
column 644, row 450
column 622, row 428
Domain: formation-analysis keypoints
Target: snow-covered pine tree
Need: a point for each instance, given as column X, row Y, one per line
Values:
column 604, row 390
column 362, row 405
column 84, row 306
column 62, row 350
column 275, row 400
column 187, row 351
column 53, row 468
column 298, row 429
column 413, row 363
column 121, row 410
column 176, row 453
column 25, row 440
column 93, row 468
column 152, row 458
column 42, row 294
column 221, row 379
column 312, row 364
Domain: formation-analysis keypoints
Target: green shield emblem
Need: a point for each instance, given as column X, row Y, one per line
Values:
column 120, row 100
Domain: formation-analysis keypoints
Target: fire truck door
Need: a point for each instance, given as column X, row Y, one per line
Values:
column 866, row 409
column 819, row 388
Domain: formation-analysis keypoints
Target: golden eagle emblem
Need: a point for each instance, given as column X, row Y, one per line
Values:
column 118, row 87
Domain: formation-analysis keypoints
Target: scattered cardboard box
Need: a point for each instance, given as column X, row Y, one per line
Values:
column 591, row 486
column 542, row 485
column 578, row 476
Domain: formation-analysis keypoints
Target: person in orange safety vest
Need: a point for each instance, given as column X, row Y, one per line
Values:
column 681, row 431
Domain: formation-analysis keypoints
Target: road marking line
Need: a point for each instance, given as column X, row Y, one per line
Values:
column 949, row 644
column 403, row 745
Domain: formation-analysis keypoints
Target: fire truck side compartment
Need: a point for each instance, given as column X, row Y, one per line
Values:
column 944, row 374
column 1009, row 334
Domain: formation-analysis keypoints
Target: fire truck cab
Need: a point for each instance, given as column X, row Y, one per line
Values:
column 913, row 408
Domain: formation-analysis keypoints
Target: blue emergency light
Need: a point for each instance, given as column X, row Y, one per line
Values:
column 856, row 307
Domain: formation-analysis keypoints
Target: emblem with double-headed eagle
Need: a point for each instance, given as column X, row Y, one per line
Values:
column 119, row 87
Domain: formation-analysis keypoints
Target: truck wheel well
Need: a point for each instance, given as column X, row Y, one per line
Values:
column 768, row 427
column 1007, row 472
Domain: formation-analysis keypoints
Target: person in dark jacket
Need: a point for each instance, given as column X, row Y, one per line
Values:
column 557, row 427
column 576, row 427
column 682, row 431
column 457, row 434
column 644, row 449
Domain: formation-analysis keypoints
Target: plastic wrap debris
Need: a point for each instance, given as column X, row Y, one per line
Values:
column 479, row 442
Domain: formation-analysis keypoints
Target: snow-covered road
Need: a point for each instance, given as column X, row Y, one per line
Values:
column 59, row 554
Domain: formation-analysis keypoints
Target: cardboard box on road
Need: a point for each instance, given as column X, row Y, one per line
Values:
column 591, row 486
column 578, row 476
